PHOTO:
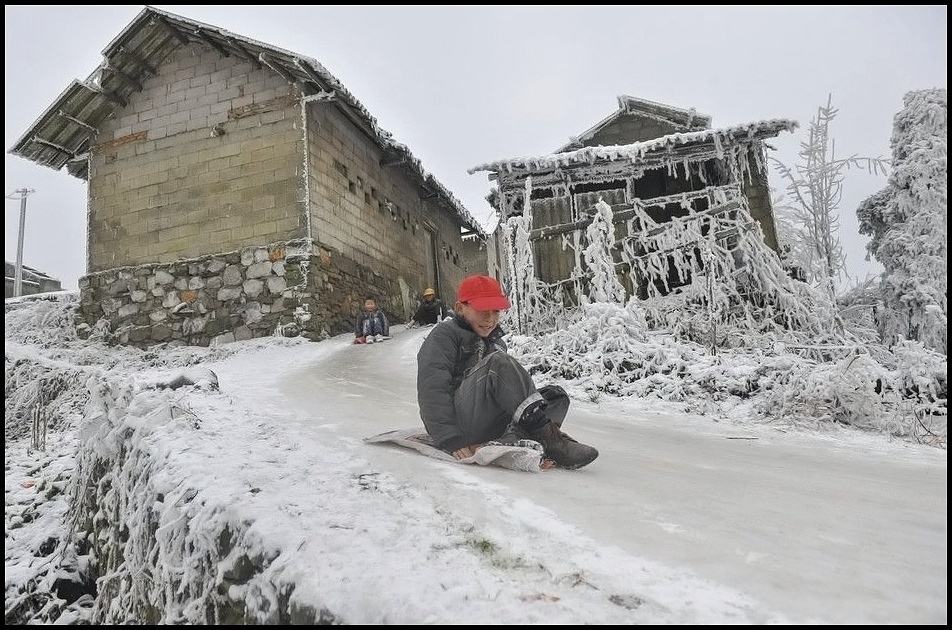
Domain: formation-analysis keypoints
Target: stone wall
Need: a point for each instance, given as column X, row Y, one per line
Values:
column 288, row 288
column 242, row 294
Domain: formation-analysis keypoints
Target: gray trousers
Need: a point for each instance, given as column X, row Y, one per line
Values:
column 373, row 326
column 495, row 392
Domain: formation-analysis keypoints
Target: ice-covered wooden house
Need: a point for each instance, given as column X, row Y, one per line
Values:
column 669, row 178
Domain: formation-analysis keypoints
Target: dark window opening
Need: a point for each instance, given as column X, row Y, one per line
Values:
column 653, row 183
column 542, row 193
column 614, row 184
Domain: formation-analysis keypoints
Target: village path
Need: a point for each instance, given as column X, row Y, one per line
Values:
column 807, row 528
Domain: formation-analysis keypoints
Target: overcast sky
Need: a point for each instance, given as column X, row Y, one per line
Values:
column 466, row 86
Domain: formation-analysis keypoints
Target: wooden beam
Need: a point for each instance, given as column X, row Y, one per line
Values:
column 107, row 95
column 332, row 96
column 77, row 121
column 322, row 97
column 139, row 61
column 174, row 31
column 306, row 88
column 620, row 212
column 205, row 37
column 325, row 95
column 273, row 63
column 696, row 151
column 125, row 78
column 710, row 212
column 114, row 98
column 617, row 217
column 718, row 236
column 310, row 72
column 54, row 146
column 244, row 52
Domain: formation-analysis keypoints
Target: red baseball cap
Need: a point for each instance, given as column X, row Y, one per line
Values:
column 482, row 293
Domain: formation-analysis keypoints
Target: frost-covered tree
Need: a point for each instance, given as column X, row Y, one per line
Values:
column 605, row 286
column 794, row 249
column 815, row 189
column 908, row 224
column 526, row 288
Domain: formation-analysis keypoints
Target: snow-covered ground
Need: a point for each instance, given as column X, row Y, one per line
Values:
column 702, row 521
column 681, row 519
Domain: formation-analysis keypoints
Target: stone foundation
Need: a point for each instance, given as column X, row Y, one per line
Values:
column 288, row 288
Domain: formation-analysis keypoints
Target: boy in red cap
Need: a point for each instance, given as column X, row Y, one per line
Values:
column 470, row 390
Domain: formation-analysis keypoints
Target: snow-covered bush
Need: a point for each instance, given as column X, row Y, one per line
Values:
column 608, row 349
column 908, row 223
column 105, row 522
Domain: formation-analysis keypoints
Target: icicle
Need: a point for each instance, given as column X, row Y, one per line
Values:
column 718, row 147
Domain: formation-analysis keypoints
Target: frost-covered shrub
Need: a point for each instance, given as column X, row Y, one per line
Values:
column 608, row 349
column 908, row 223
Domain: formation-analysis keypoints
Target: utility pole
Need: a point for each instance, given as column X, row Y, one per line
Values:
column 18, row 278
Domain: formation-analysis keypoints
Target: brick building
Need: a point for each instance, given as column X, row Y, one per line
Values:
column 236, row 189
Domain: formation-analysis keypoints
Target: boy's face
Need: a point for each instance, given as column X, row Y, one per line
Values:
column 370, row 306
column 482, row 322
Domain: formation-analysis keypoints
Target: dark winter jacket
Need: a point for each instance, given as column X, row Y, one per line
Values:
column 429, row 312
column 447, row 354
column 378, row 322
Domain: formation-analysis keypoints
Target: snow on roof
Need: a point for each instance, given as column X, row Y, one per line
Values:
column 638, row 151
column 27, row 271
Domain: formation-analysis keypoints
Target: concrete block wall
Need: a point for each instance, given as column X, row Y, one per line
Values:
column 208, row 157
column 350, row 214
column 475, row 255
